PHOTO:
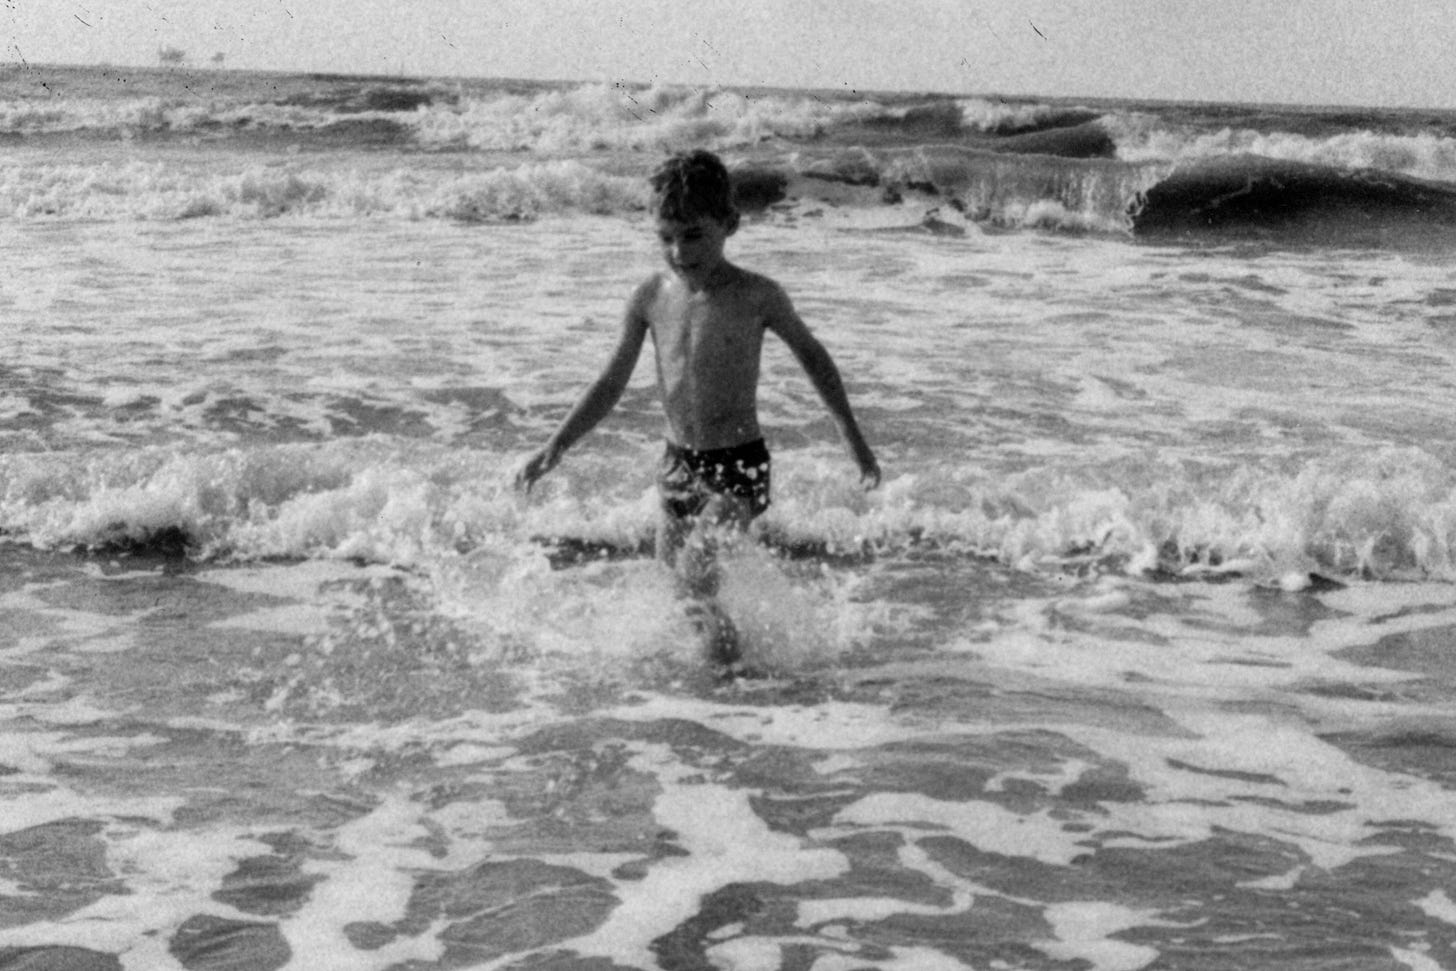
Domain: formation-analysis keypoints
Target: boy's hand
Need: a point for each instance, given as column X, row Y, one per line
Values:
column 869, row 471
column 536, row 466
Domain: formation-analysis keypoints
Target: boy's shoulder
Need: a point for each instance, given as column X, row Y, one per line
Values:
column 743, row 283
column 645, row 293
column 766, row 296
column 754, row 283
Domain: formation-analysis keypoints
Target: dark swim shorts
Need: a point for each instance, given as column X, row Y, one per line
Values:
column 687, row 479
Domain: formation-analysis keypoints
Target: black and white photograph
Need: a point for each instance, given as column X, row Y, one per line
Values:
column 569, row 485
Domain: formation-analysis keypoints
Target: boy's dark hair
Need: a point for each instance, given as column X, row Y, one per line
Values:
column 693, row 184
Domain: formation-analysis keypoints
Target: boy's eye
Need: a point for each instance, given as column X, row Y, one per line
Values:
column 685, row 236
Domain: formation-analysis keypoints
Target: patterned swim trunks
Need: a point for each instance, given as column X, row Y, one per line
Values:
column 687, row 478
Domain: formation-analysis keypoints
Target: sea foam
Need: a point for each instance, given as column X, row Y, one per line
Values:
column 1392, row 516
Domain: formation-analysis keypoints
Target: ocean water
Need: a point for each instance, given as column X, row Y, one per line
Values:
column 1142, row 656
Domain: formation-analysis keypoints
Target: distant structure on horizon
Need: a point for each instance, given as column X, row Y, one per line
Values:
column 176, row 57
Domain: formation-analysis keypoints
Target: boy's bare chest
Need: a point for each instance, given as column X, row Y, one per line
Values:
column 698, row 325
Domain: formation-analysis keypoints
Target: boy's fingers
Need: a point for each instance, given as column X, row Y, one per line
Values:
column 535, row 467
column 527, row 476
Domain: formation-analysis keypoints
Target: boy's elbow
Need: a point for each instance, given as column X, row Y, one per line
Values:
column 608, row 391
column 819, row 363
column 811, row 354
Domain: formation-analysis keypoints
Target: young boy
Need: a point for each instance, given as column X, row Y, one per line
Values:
column 707, row 318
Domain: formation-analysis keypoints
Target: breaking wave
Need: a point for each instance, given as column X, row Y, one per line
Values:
column 1391, row 515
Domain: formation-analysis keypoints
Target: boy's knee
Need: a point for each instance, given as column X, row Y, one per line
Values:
column 726, row 509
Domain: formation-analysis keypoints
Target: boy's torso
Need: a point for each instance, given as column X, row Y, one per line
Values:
column 708, row 345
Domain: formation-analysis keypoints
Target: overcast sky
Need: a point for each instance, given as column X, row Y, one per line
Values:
column 1371, row 52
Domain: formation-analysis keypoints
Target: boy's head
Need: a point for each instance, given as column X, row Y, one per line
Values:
column 691, row 186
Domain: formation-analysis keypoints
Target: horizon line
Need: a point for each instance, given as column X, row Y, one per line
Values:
column 221, row 67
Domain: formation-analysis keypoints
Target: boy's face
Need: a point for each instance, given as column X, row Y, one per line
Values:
column 693, row 245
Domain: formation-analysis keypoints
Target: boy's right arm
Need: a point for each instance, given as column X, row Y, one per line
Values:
column 783, row 320
column 599, row 399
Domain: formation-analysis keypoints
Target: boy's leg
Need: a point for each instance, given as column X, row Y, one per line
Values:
column 690, row 546
column 693, row 544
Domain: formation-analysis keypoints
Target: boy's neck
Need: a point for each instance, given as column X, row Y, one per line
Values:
column 708, row 279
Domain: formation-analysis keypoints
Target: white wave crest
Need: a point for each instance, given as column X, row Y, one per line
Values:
column 601, row 116
column 1391, row 515
column 1424, row 155
column 128, row 117
column 167, row 190
column 985, row 115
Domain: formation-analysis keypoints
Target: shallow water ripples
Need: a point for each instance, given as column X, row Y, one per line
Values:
column 1075, row 782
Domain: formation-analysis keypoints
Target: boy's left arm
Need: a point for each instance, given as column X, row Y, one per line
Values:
column 813, row 357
